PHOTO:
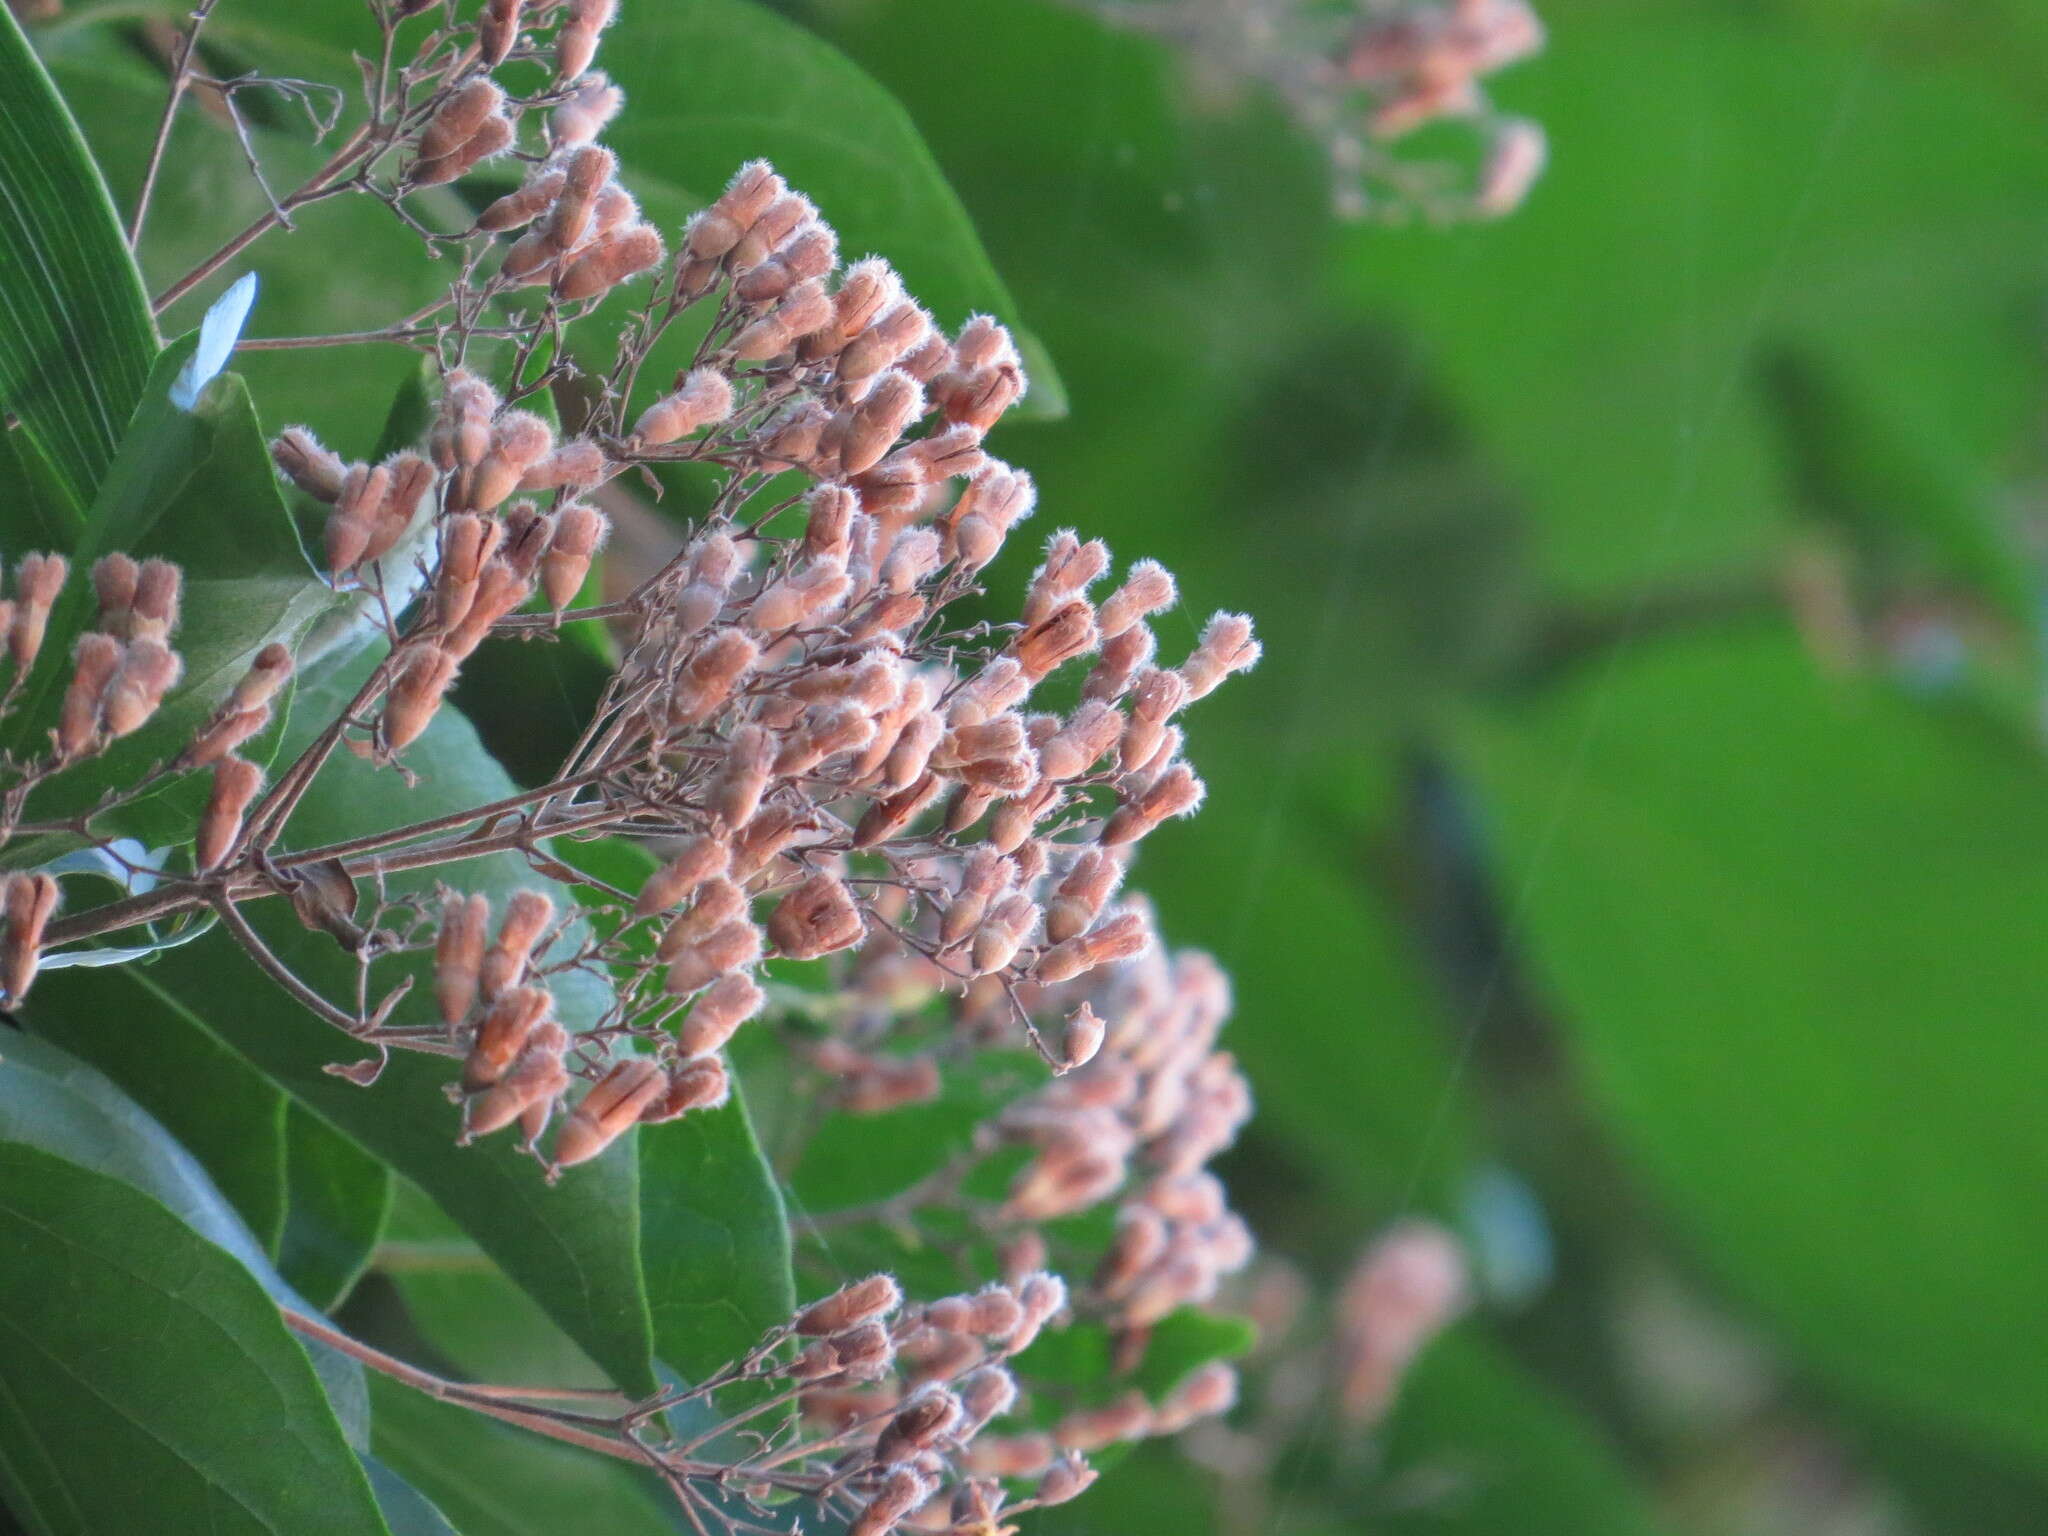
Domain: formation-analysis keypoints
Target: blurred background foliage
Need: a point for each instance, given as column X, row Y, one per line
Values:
column 1631, row 850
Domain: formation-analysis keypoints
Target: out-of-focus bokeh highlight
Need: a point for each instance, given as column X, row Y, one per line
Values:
column 1632, row 853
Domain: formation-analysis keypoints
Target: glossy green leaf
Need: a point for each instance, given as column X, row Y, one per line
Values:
column 147, row 1378
column 224, row 1113
column 406, row 1510
column 76, row 342
column 51, row 1100
column 496, row 1480
column 336, row 1198
column 1787, row 926
column 573, row 1246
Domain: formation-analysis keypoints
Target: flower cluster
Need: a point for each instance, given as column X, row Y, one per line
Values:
column 829, row 764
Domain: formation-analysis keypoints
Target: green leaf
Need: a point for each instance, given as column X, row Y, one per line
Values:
column 148, row 1380
column 77, row 340
column 224, row 1113
column 754, row 86
column 573, row 1246
column 1786, row 926
column 337, row 1196
column 61, row 1105
column 495, row 1480
column 713, row 1237
column 406, row 1510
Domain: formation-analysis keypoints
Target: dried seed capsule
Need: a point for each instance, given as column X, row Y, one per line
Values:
column 1128, row 1418
column 353, row 522
column 460, row 117
column 459, row 955
column 817, row 918
column 235, row 783
column 611, row 261
column 1177, row 793
column 1081, row 1038
column 735, row 794
column 1059, row 637
column 1002, row 934
column 149, row 669
column 95, row 659
column 1227, row 646
column 701, row 1084
column 500, row 588
column 411, row 483
column 579, row 463
column 609, row 1110
column 892, row 404
column 701, row 857
column 901, row 1493
column 519, row 440
column 114, row 580
column 579, row 533
column 1067, row 1479
column 37, row 581
column 708, row 678
column 704, row 399
column 887, row 818
column 727, row 1004
column 898, row 331
column 1121, row 938
column 984, row 878
column 926, row 1417
column 526, row 914
column 497, row 30
column 862, row 1301
column 730, row 947
column 416, row 693
column 313, row 469
column 28, row 902
column 502, row 1034
column 576, row 43
column 595, row 102
column 527, row 1092
column 718, row 902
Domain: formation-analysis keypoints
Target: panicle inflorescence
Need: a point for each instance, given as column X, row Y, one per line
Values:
column 839, row 776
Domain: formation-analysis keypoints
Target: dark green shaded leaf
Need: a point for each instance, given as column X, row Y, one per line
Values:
column 337, row 1195
column 77, row 341
column 406, row 1510
column 137, row 1322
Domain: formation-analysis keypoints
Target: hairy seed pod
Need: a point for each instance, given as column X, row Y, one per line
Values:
column 699, row 1084
column 718, row 902
column 313, row 469
column 497, row 30
column 579, row 533
column 927, row 1416
column 459, row 955
column 526, row 914
column 1227, row 646
column 525, row 1093
column 149, row 669
column 95, row 660
column 704, row 399
column 502, row 1033
column 416, row 693
column 898, row 331
column 862, row 1301
column 459, row 117
column 515, row 210
column 500, row 588
column 580, row 463
column 888, row 818
column 114, row 580
column 28, row 901
column 1066, row 1480
column 611, row 261
column 1080, row 1038
column 594, row 102
column 727, row 1004
column 1121, row 938
column 609, row 1110
column 901, row 1493
column 235, row 783
column 412, row 481
column 730, row 947
column 38, row 578
column 1002, row 934
column 735, row 793
column 701, row 857
column 817, row 918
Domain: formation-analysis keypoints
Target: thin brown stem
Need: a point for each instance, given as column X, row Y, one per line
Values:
column 181, row 78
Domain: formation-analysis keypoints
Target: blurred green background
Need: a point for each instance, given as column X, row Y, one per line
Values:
column 1631, row 850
